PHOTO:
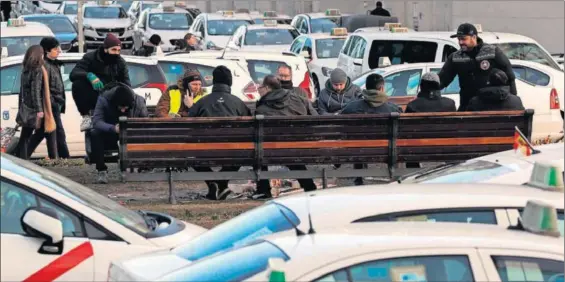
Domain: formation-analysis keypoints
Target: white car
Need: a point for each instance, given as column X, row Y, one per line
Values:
column 170, row 23
column 401, row 251
column 99, row 20
column 136, row 7
column 321, row 52
column 243, row 86
column 261, row 64
column 317, row 22
column 90, row 230
column 146, row 78
column 70, row 9
column 362, row 50
column 402, row 84
column 216, row 29
column 16, row 39
column 507, row 167
column 477, row 204
column 49, row 6
column 268, row 36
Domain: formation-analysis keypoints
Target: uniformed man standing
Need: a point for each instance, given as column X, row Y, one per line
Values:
column 473, row 63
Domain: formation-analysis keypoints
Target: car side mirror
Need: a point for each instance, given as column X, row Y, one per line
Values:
column 4, row 52
column 44, row 223
column 305, row 54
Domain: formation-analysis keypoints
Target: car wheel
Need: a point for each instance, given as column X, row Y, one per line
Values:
column 316, row 85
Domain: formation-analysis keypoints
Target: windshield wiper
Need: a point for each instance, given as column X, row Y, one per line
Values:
column 427, row 171
column 150, row 221
column 298, row 231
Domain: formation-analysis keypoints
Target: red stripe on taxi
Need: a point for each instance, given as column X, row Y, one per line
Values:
column 62, row 264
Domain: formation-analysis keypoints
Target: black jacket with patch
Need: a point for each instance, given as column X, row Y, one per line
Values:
column 495, row 98
column 219, row 103
column 430, row 102
column 282, row 102
column 473, row 69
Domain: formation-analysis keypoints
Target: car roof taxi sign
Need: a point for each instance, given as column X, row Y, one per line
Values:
column 390, row 26
column 399, row 29
column 276, row 267
column 270, row 14
column 333, row 12
column 547, row 175
column 540, row 218
column 479, row 28
column 270, row 23
column 339, row 31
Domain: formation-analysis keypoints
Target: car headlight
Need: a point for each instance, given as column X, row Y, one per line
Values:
column 326, row 71
column 87, row 26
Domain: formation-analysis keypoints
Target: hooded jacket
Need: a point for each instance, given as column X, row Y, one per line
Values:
column 56, row 86
column 30, row 98
column 330, row 102
column 177, row 98
column 495, row 98
column 219, row 103
column 372, row 102
column 106, row 114
column 429, row 102
column 283, row 102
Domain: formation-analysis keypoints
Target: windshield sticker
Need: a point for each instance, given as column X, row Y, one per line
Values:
column 416, row 273
column 259, row 233
column 6, row 115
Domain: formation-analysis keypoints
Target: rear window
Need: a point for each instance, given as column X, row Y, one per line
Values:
column 270, row 36
column 169, row 21
column 329, row 48
column 259, row 69
column 400, row 52
column 174, row 70
column 323, row 25
column 527, row 52
column 70, row 9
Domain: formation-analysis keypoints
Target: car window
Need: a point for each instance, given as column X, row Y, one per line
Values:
column 307, row 46
column 404, row 83
column 105, row 13
column 514, row 269
column 15, row 201
column 57, row 25
column 70, row 9
column 351, row 45
column 270, row 36
column 170, row 21
column 421, row 268
column 527, row 52
column 453, row 87
column 173, row 71
column 323, row 25
column 303, row 26
column 360, row 81
column 486, row 216
column 400, row 52
column 138, row 75
column 224, row 27
column 259, row 69
column 329, row 48
column 19, row 45
column 447, row 50
column 531, row 75
column 297, row 45
column 10, row 80
column 359, row 48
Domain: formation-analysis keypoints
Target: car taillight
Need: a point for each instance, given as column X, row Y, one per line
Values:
column 250, row 90
column 305, row 84
column 161, row 86
column 554, row 100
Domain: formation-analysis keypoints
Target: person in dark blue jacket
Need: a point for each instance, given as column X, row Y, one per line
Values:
column 118, row 100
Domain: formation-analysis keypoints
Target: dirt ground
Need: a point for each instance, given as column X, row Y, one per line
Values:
column 153, row 196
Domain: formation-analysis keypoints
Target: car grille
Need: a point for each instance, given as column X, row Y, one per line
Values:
column 103, row 31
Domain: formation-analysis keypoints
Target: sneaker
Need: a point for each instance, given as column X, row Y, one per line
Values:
column 102, row 177
column 212, row 191
column 86, row 123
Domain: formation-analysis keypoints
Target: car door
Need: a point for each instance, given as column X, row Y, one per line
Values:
column 349, row 68
column 446, row 265
column 10, row 88
column 452, row 90
column 24, row 257
column 521, row 265
column 343, row 60
column 360, row 65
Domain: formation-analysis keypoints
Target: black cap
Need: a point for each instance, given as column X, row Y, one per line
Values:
column 466, row 29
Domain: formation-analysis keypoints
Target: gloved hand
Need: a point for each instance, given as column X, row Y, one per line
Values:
column 95, row 81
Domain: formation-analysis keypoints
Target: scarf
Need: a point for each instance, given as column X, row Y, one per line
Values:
column 48, row 119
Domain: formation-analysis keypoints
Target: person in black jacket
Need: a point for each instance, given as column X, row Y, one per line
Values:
column 6, row 7
column 93, row 71
column 276, row 101
column 149, row 48
column 219, row 103
column 284, row 74
column 117, row 100
column 472, row 63
column 374, row 101
column 496, row 96
column 429, row 98
column 380, row 11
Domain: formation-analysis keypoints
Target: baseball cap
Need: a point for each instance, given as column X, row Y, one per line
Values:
column 466, row 29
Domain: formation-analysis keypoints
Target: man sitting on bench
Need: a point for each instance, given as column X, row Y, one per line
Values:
column 118, row 100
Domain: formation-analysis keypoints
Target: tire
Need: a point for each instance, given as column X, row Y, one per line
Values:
column 316, row 85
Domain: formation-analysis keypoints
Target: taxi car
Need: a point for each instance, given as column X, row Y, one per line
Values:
column 538, row 88
column 76, row 232
column 462, row 203
column 320, row 52
column 268, row 36
column 215, row 29
column 69, row 9
column 259, row 18
column 317, row 22
column 18, row 35
column 169, row 22
column 146, row 78
column 134, row 8
column 401, row 251
column 61, row 26
column 101, row 19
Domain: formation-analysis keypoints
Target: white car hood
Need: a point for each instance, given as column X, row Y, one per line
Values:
column 147, row 267
column 219, row 41
column 328, row 63
column 188, row 233
column 108, row 23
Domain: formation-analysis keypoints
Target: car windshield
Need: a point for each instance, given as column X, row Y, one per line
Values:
column 57, row 25
column 234, row 265
column 105, row 13
column 19, row 45
column 279, row 21
column 360, row 81
column 270, row 36
column 70, row 9
column 471, row 171
column 78, row 193
column 527, row 52
column 170, row 21
column 329, row 48
column 149, row 5
column 125, row 4
column 258, row 69
column 323, row 25
column 264, row 220
column 224, row 27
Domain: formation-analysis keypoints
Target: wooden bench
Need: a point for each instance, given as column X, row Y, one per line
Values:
column 311, row 140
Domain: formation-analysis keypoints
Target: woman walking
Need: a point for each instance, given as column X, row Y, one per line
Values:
column 35, row 114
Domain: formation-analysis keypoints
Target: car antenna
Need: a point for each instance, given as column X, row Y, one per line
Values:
column 226, row 48
column 298, row 231
column 311, row 227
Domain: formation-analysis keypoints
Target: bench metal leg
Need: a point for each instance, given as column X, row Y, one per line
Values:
column 172, row 199
column 324, row 179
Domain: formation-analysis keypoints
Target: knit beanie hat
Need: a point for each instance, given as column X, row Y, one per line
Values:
column 497, row 78
column 123, row 96
column 111, row 41
column 155, row 39
column 48, row 43
column 430, row 82
column 338, row 76
column 188, row 76
column 222, row 75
